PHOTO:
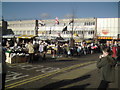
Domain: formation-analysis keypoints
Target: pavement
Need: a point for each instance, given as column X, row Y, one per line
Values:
column 84, row 76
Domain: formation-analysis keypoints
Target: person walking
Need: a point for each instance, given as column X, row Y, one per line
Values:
column 68, row 50
column 58, row 50
column 41, row 46
column 78, row 50
column 106, row 65
column 44, row 50
column 31, row 52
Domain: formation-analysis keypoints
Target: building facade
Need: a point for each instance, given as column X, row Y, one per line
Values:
column 22, row 27
column 107, row 28
column 83, row 28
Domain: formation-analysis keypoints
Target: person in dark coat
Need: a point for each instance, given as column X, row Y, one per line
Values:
column 58, row 50
column 106, row 65
column 4, row 68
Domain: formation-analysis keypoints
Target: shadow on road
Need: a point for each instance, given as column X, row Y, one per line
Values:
column 62, row 83
column 53, row 60
column 82, row 87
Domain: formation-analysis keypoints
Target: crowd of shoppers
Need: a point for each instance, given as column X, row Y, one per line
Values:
column 39, row 49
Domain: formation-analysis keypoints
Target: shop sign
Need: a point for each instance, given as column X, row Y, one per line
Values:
column 105, row 37
column 105, row 32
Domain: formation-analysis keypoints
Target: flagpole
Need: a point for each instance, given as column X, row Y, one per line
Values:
column 36, row 27
column 72, row 40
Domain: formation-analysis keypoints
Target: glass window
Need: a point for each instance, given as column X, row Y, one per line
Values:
column 24, row 32
column 20, row 32
column 67, row 32
column 82, row 32
column 32, row 32
column 93, row 23
column 73, row 31
column 89, row 23
column 88, row 32
column 28, row 32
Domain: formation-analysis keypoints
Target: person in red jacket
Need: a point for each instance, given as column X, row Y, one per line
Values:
column 114, row 49
column 118, row 53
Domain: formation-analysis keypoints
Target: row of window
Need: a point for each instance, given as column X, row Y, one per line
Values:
column 89, row 23
column 61, row 24
column 24, row 32
column 53, row 32
column 21, row 25
column 77, row 24
column 79, row 32
column 69, row 32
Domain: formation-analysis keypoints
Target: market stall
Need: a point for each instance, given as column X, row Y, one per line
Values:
column 8, row 38
column 25, row 38
column 16, row 55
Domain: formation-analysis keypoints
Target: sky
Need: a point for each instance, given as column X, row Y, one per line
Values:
column 50, row 10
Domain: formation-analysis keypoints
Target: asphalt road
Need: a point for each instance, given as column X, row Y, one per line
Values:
column 39, row 74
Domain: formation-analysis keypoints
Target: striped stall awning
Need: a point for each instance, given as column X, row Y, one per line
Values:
column 105, row 37
column 8, row 36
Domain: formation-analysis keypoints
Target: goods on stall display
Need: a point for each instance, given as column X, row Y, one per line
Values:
column 16, row 55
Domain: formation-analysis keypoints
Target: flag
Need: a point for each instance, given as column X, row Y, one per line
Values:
column 56, row 21
column 64, row 29
column 71, row 21
column 41, row 23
